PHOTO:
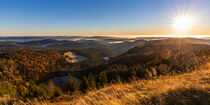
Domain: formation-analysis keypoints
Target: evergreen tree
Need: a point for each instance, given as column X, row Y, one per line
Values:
column 91, row 79
column 103, row 78
column 85, row 83
column 73, row 84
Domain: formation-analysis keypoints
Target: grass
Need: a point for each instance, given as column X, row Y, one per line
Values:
column 184, row 89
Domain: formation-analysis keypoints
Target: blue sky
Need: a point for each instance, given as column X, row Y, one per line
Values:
column 72, row 17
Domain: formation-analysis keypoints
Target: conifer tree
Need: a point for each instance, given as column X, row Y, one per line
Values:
column 86, row 84
column 91, row 79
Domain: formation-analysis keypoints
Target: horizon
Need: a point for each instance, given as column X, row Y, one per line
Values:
column 101, row 18
column 114, row 36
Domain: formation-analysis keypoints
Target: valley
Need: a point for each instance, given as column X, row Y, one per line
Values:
column 54, row 71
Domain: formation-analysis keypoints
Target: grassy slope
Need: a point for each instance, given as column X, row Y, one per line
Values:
column 189, row 88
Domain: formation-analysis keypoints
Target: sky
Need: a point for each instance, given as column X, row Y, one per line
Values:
column 100, row 17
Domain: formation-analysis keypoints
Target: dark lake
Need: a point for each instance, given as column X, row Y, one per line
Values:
column 60, row 80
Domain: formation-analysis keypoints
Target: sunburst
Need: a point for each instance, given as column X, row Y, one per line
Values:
column 183, row 23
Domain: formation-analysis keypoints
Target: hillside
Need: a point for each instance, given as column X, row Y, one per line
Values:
column 161, row 63
column 152, row 60
column 184, row 89
column 171, row 44
column 26, row 64
column 30, row 75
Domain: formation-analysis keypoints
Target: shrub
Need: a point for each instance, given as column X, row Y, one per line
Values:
column 7, row 88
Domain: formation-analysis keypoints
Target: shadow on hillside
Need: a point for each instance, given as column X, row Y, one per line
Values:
column 190, row 96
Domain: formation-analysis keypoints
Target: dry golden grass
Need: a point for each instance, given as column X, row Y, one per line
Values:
column 188, row 88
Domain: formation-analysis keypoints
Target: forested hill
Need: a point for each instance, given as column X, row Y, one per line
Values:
column 177, row 49
column 166, row 57
column 171, row 60
column 28, row 64
column 184, row 89
column 167, row 45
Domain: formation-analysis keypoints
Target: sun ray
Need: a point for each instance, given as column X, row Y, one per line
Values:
column 182, row 23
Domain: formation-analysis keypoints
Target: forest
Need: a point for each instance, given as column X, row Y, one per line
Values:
column 21, row 69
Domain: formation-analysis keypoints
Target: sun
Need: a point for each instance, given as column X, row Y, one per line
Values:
column 183, row 23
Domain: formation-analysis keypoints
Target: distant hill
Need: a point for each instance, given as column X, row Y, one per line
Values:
column 161, row 57
column 117, row 45
column 174, row 44
column 164, row 48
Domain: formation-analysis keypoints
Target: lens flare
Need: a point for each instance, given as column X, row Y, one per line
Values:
column 183, row 23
